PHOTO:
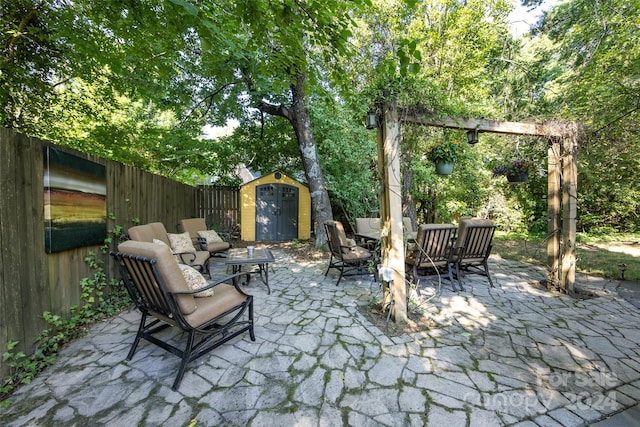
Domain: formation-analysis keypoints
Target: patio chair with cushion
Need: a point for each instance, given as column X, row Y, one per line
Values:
column 203, row 238
column 180, row 244
column 431, row 256
column 473, row 247
column 368, row 232
column 346, row 256
column 166, row 299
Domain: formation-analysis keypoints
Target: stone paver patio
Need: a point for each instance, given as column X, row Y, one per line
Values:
column 512, row 355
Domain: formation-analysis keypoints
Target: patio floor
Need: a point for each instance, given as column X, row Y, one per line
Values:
column 516, row 354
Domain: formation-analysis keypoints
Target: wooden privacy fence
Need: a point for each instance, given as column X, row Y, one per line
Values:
column 220, row 207
column 33, row 281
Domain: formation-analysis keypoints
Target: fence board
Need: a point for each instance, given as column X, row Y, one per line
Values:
column 220, row 207
column 10, row 265
column 32, row 281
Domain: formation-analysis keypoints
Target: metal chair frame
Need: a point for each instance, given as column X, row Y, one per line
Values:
column 433, row 254
column 471, row 255
column 160, row 310
column 349, row 260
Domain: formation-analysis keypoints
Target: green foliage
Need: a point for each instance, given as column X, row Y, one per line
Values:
column 347, row 153
column 595, row 253
column 445, row 150
column 597, row 47
column 97, row 77
column 100, row 299
column 264, row 143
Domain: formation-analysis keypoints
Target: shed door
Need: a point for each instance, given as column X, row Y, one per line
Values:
column 276, row 212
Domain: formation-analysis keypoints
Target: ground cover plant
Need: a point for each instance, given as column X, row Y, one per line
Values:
column 603, row 255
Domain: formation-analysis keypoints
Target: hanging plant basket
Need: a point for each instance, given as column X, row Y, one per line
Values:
column 516, row 170
column 444, row 168
column 521, row 177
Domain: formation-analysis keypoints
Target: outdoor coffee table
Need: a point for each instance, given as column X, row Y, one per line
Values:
column 261, row 258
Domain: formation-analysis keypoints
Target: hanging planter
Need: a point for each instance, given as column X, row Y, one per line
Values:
column 516, row 171
column 443, row 154
column 444, row 167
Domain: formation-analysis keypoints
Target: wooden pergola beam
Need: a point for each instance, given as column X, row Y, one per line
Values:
column 562, row 186
column 483, row 125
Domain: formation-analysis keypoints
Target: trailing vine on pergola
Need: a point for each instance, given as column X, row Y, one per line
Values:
column 563, row 137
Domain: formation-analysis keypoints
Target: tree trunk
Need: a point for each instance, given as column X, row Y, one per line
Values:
column 299, row 117
column 301, row 122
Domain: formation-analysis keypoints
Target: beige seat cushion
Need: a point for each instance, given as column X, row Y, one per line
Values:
column 369, row 226
column 214, row 242
column 168, row 268
column 193, row 225
column 356, row 253
column 218, row 247
column 148, row 232
column 225, row 299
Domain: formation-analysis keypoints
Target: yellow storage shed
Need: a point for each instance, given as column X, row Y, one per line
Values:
column 275, row 207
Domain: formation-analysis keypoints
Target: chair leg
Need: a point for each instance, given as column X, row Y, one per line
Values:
column 416, row 280
column 186, row 355
column 329, row 266
column 486, row 270
column 453, row 284
column 251, row 333
column 341, row 273
column 136, row 341
column 459, row 276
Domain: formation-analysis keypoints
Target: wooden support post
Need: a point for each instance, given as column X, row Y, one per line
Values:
column 553, row 213
column 391, row 210
column 569, row 212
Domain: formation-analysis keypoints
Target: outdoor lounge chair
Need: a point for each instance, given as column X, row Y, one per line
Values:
column 368, row 232
column 473, row 247
column 432, row 254
column 157, row 232
column 203, row 238
column 161, row 293
column 349, row 258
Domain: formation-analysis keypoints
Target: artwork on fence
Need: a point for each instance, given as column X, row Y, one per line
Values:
column 75, row 201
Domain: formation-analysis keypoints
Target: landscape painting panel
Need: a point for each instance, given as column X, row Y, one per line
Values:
column 75, row 201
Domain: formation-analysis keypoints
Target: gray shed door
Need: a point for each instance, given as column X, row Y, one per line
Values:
column 276, row 212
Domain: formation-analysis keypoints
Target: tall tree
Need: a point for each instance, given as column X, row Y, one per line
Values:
column 441, row 57
column 598, row 47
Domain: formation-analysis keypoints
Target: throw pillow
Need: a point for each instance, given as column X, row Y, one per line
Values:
column 162, row 243
column 181, row 242
column 210, row 236
column 195, row 281
column 159, row 242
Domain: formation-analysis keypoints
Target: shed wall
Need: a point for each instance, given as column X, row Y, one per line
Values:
column 248, row 206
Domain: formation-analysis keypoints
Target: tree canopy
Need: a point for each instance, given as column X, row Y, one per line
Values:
column 138, row 81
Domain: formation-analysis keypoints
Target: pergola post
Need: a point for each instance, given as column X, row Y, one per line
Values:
column 561, row 186
column 392, row 240
column 569, row 211
column 553, row 212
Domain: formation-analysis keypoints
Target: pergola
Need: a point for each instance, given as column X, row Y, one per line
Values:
column 561, row 188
